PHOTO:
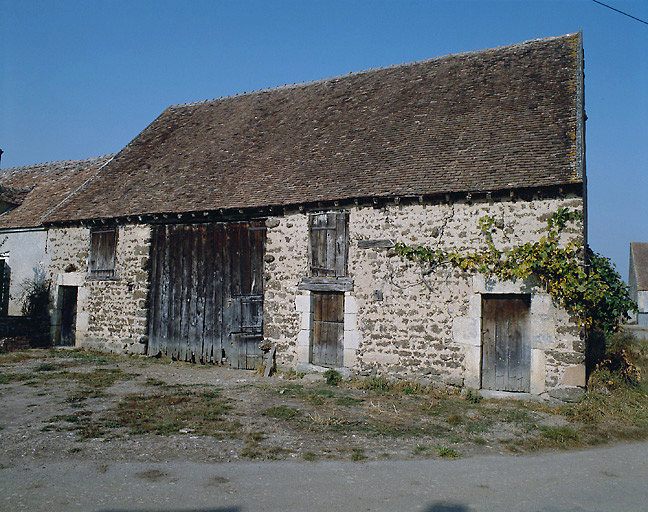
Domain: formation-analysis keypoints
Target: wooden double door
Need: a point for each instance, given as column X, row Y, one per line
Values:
column 206, row 301
column 506, row 347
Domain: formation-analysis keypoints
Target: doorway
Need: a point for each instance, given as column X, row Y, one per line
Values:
column 68, row 297
column 506, row 348
column 207, row 292
column 328, row 329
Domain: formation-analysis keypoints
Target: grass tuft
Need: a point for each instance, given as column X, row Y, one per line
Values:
column 282, row 412
column 447, row 453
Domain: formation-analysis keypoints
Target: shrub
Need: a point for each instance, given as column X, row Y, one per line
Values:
column 36, row 295
column 333, row 377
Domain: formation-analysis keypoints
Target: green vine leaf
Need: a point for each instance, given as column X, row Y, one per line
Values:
column 582, row 281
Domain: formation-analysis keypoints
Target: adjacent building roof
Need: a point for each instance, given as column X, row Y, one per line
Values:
column 12, row 196
column 37, row 189
column 488, row 120
column 638, row 266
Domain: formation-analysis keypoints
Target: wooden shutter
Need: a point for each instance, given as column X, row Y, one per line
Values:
column 329, row 244
column 102, row 252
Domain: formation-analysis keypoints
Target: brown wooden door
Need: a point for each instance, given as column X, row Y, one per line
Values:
column 328, row 329
column 203, row 279
column 506, row 356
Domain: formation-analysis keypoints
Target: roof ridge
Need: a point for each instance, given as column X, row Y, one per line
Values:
column 52, row 162
column 308, row 83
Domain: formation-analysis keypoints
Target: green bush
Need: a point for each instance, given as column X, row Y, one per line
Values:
column 333, row 377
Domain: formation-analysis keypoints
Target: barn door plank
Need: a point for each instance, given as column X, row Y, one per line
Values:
column 341, row 234
column 228, row 306
column 154, row 303
column 201, row 256
column 191, row 286
column 185, row 287
column 175, row 285
column 208, row 288
column 163, row 259
column 330, row 232
column 219, row 292
column 316, row 342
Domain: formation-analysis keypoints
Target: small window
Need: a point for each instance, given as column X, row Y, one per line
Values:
column 329, row 244
column 102, row 252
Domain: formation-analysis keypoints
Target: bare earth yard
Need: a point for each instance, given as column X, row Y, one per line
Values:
column 74, row 405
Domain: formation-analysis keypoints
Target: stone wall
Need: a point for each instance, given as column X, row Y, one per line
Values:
column 404, row 322
column 111, row 313
column 400, row 320
column 286, row 261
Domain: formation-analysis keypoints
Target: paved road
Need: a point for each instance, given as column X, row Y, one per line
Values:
column 610, row 479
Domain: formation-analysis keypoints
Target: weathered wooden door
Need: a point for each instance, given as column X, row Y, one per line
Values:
column 328, row 329
column 207, row 292
column 68, row 314
column 243, row 295
column 506, row 356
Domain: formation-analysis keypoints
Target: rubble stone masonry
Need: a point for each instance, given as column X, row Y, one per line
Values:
column 111, row 313
column 400, row 319
column 406, row 322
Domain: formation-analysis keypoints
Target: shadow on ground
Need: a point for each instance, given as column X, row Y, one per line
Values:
column 227, row 509
column 447, row 507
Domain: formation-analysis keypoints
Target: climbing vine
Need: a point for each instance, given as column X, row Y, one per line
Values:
column 593, row 293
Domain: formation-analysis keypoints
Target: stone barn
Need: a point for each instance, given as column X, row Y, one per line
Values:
column 268, row 219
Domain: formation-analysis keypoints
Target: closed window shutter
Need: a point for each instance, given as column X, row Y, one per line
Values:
column 102, row 252
column 328, row 244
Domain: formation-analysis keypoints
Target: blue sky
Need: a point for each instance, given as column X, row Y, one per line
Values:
column 82, row 78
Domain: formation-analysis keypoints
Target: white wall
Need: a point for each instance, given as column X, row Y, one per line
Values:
column 25, row 250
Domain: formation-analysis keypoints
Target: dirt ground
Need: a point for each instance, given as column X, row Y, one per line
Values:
column 68, row 404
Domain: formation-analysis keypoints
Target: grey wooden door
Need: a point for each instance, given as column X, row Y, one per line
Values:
column 206, row 299
column 243, row 295
column 328, row 329
column 506, row 351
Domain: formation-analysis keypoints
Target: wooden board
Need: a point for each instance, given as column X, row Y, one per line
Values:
column 328, row 329
column 506, row 349
column 207, row 292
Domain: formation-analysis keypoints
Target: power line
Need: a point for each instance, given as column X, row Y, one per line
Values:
column 617, row 10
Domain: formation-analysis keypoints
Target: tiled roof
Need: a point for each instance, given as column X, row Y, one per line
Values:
column 489, row 120
column 44, row 186
column 640, row 262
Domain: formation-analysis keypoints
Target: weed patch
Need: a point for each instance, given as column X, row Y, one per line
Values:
column 18, row 356
column 310, row 456
column 46, row 367
column 8, row 378
column 358, row 454
column 447, row 453
column 282, row 412
column 379, row 384
column 561, row 435
column 165, row 414
column 348, row 401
